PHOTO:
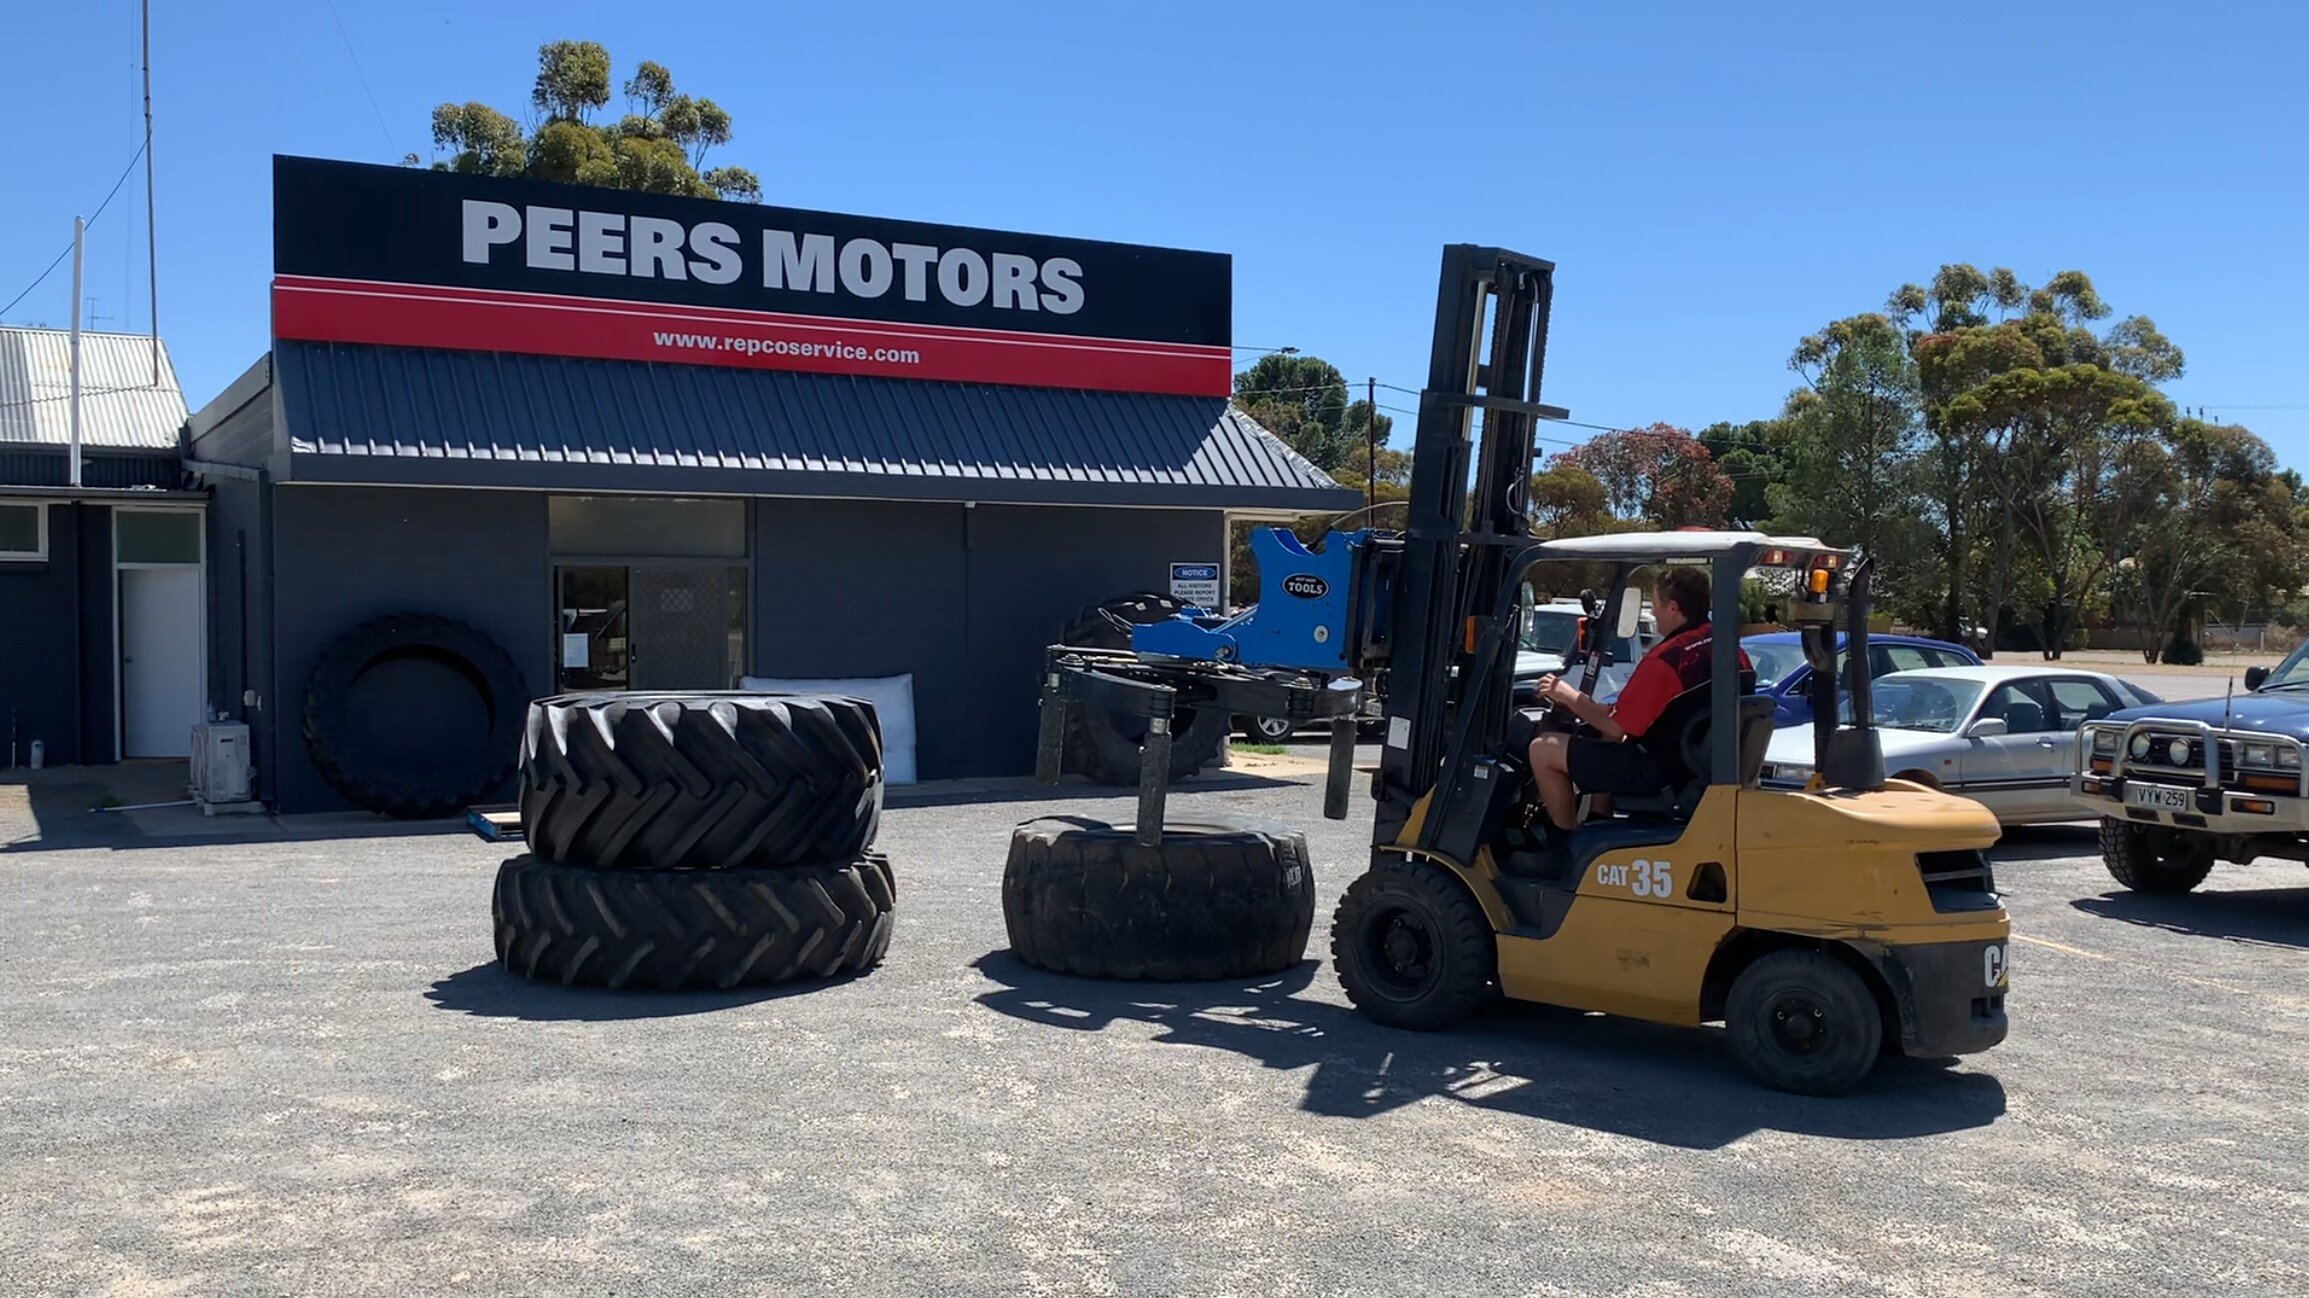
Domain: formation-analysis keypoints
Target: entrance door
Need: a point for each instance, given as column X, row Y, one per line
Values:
column 685, row 625
column 160, row 660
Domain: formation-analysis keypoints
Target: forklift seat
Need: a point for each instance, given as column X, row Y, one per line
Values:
column 1686, row 760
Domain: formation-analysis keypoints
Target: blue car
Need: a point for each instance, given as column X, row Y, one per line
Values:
column 1782, row 673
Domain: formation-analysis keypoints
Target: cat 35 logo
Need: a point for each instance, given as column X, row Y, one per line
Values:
column 1643, row 878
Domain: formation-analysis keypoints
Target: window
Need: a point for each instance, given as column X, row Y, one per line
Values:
column 646, row 527
column 23, row 532
column 2079, row 701
column 1900, row 658
column 156, row 536
column 1943, row 658
column 2022, row 706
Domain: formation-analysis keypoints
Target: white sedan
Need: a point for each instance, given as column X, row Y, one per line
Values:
column 2003, row 736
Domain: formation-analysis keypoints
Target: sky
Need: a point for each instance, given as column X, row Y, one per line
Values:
column 1712, row 181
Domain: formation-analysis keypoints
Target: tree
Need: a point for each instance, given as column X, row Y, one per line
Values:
column 657, row 148
column 1659, row 474
column 2215, row 518
column 1303, row 400
column 1753, row 456
column 1851, row 445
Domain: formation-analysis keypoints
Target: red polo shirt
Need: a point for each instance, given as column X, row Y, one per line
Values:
column 1678, row 663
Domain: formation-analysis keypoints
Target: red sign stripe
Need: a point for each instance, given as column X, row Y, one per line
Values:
column 460, row 319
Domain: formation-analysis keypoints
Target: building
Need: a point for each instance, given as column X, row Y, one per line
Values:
column 101, row 583
column 638, row 441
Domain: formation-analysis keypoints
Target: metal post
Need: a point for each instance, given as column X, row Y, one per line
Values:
column 79, row 247
column 151, row 239
column 1371, row 443
column 1341, row 773
column 1154, row 773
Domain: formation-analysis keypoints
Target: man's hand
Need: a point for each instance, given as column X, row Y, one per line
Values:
column 1556, row 690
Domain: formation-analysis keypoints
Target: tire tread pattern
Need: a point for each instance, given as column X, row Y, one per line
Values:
column 700, row 781
column 1217, row 900
column 668, row 930
column 2130, row 854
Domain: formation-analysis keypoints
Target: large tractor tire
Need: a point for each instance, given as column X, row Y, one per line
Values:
column 414, row 715
column 665, row 930
column 2147, row 858
column 1217, row 899
column 1103, row 745
column 700, row 781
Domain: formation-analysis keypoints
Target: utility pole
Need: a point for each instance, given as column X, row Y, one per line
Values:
column 1371, row 443
column 151, row 240
column 79, row 240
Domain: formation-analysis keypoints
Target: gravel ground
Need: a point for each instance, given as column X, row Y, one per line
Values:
column 290, row 1068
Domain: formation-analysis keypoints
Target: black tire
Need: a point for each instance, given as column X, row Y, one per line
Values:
column 1803, row 1021
column 1103, row 745
column 700, row 781
column 414, row 715
column 1412, row 947
column 665, row 930
column 1218, row 899
column 2153, row 859
column 1268, row 730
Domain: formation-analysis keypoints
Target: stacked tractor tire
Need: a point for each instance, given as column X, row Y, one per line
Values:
column 696, row 840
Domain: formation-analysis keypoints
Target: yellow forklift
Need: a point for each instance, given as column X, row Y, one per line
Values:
column 1823, row 927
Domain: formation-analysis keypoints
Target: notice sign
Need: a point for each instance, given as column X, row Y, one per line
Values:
column 1196, row 584
column 398, row 256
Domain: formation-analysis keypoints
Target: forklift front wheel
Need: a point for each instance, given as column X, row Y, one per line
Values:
column 1411, row 947
column 1803, row 1021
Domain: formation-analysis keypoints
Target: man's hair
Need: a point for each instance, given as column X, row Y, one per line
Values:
column 1687, row 589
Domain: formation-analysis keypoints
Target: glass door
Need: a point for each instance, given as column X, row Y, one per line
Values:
column 651, row 627
column 594, row 645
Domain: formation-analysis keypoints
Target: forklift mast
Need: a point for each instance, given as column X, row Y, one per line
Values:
column 1470, row 477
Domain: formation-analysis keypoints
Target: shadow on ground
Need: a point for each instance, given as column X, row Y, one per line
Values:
column 2030, row 843
column 489, row 991
column 2260, row 916
column 130, row 805
column 1671, row 1086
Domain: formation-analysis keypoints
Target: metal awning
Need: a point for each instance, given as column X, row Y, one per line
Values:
column 421, row 417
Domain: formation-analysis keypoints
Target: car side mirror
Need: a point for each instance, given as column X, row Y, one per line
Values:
column 1629, row 615
column 2256, row 677
column 1989, row 728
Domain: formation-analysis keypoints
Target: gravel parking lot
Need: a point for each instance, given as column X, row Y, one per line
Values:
column 290, row 1067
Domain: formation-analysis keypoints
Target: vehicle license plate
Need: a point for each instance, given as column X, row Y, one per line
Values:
column 2163, row 797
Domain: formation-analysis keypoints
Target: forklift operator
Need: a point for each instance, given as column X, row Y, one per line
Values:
column 1620, row 761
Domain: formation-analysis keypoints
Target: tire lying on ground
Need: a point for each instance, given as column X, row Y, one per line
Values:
column 666, row 930
column 1218, row 899
column 1102, row 744
column 701, row 781
column 414, row 715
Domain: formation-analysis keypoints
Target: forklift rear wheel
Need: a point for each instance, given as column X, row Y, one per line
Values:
column 2147, row 858
column 1411, row 946
column 1803, row 1021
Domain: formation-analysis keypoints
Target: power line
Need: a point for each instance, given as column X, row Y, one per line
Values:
column 362, row 77
column 43, row 275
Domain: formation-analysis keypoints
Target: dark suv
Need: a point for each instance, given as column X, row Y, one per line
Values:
column 2180, row 786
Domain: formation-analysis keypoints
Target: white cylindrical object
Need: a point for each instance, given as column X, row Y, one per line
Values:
column 39, row 753
column 79, row 240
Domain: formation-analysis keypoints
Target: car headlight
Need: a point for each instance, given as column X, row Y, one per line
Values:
column 2260, row 755
column 2104, row 743
column 2140, row 748
column 2289, row 759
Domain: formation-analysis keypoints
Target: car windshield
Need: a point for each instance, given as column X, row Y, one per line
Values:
column 1553, row 631
column 1773, row 662
column 2291, row 674
column 1933, row 704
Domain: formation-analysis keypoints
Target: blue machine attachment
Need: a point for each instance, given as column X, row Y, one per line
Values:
column 1300, row 621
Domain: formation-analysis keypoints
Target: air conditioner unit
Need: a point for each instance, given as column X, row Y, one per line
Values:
column 220, row 761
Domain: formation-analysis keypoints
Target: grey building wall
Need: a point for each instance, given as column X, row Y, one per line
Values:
column 238, row 427
column 56, row 664
column 343, row 555
column 240, row 657
column 1030, row 569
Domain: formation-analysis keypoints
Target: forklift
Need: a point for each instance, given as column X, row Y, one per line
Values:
column 1824, row 927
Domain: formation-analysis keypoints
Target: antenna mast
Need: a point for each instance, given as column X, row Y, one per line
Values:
column 151, row 239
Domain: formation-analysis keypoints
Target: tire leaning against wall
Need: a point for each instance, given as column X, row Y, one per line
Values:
column 455, row 777
column 1103, row 745
column 700, row 780
column 667, row 930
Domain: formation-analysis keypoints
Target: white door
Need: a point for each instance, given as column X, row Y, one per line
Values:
column 160, row 660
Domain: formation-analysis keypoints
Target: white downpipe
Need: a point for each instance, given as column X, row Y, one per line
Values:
column 79, row 246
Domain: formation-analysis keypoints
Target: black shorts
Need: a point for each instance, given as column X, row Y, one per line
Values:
column 1600, row 766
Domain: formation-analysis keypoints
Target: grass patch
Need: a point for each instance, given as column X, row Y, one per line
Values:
column 1265, row 750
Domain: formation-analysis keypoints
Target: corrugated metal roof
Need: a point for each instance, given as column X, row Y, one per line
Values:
column 384, row 414
column 120, row 408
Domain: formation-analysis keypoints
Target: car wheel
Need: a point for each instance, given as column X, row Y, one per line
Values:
column 2147, row 858
column 1268, row 730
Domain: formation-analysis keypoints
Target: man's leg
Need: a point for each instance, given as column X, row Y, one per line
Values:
column 1551, row 771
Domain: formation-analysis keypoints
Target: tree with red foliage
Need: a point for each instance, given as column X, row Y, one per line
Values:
column 1660, row 474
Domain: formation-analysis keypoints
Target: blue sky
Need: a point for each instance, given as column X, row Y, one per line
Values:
column 1712, row 180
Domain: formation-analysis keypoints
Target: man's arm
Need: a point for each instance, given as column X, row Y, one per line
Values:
column 1599, row 715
